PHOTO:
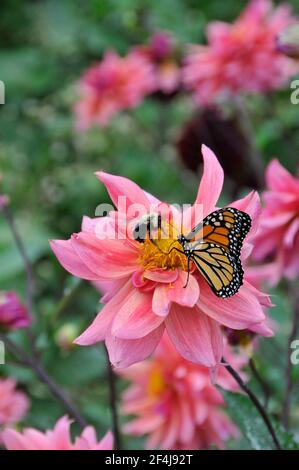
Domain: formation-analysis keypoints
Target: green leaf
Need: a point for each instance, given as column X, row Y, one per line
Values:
column 35, row 239
column 246, row 416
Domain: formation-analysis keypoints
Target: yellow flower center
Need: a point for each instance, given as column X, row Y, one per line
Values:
column 160, row 253
column 156, row 383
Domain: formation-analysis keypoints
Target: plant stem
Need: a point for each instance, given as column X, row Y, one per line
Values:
column 22, row 250
column 264, row 386
column 33, row 361
column 66, row 300
column 113, row 402
column 288, row 374
column 255, row 401
column 41, row 373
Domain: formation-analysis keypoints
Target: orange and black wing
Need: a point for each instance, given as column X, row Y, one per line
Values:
column 225, row 227
column 222, row 271
column 215, row 247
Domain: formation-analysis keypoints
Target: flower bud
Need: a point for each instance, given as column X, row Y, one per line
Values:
column 13, row 314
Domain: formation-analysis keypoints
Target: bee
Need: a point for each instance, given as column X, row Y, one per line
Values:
column 148, row 225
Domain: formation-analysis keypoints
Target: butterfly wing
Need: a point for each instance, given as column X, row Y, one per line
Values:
column 215, row 246
column 228, row 228
column 222, row 271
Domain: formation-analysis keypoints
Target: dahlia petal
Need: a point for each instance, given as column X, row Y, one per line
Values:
column 161, row 275
column 134, row 318
column 262, row 329
column 185, row 296
column 119, row 186
column 209, row 189
column 161, row 302
column 279, row 179
column 195, row 336
column 107, row 442
column 187, row 427
column 98, row 255
column 238, row 312
column 144, row 425
column 101, row 325
column 291, row 233
column 264, row 299
column 13, row 440
column 250, row 204
column 125, row 352
column 69, row 259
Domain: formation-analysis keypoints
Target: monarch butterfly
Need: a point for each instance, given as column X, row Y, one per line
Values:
column 214, row 246
column 216, row 253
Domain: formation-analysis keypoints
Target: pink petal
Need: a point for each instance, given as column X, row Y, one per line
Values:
column 13, row 440
column 108, row 288
column 109, row 259
column 252, row 206
column 209, row 190
column 161, row 302
column 187, row 425
column 237, row 312
column 119, row 186
column 61, row 433
column 69, row 259
column 264, row 299
column 279, row 179
column 161, row 275
column 125, row 352
column 143, row 425
column 106, row 442
column 211, row 182
column 262, row 329
column 185, row 296
column 134, row 318
column 195, row 336
column 291, row 233
column 99, row 328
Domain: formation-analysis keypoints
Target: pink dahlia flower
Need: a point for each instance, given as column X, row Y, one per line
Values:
column 241, row 57
column 145, row 290
column 277, row 240
column 57, row 439
column 13, row 403
column 114, row 84
column 174, row 403
column 162, row 54
column 13, row 314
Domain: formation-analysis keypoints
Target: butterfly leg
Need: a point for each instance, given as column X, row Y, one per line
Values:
column 188, row 275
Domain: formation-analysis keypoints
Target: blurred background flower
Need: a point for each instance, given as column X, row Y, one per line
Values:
column 57, row 439
column 14, row 404
column 164, row 55
column 13, row 314
column 174, row 403
column 278, row 236
column 240, row 57
column 113, row 85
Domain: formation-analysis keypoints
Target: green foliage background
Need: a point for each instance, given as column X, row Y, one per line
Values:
column 48, row 172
